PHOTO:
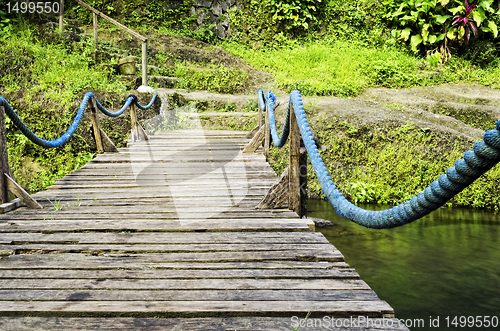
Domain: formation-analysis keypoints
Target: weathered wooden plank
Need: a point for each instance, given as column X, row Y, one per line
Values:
column 214, row 178
column 188, row 295
column 181, row 284
column 214, row 165
column 184, row 153
column 11, row 205
column 138, row 192
column 162, row 182
column 338, row 273
column 206, row 132
column 85, row 261
column 88, row 200
column 155, row 225
column 194, row 324
column 109, row 211
column 216, row 308
column 174, row 214
column 303, row 255
column 167, row 238
column 150, row 248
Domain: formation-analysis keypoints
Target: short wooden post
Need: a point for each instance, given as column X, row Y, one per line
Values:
column 4, row 159
column 294, row 165
column 95, row 30
column 145, row 62
column 133, row 122
column 61, row 16
column 96, row 125
column 267, row 135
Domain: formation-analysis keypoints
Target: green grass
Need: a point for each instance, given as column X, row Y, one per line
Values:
column 346, row 68
column 44, row 82
column 54, row 69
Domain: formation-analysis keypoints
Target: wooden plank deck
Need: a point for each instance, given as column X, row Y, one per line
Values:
column 164, row 236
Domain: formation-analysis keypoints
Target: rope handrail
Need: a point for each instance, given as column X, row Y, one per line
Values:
column 71, row 130
column 484, row 156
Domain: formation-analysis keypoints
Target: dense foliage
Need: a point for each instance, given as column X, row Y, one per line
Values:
column 439, row 27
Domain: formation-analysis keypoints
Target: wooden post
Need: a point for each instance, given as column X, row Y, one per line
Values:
column 133, row 122
column 96, row 126
column 61, row 16
column 303, row 180
column 145, row 62
column 95, row 30
column 260, row 115
column 294, row 165
column 267, row 135
column 4, row 159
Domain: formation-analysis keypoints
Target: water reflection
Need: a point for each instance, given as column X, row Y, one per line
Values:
column 446, row 264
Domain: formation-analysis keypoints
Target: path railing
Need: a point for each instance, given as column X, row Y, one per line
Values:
column 103, row 143
column 484, row 156
column 96, row 13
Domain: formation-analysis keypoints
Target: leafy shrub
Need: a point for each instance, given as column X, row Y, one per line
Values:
column 295, row 14
column 433, row 26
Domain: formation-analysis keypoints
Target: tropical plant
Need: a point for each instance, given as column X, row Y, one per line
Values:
column 465, row 22
column 433, row 26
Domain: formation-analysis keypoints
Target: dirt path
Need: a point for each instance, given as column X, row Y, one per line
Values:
column 451, row 110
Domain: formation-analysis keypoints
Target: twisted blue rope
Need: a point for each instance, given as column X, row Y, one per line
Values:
column 149, row 104
column 71, row 130
column 279, row 141
column 484, row 156
column 262, row 102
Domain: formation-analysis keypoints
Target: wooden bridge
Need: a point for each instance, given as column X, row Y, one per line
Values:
column 165, row 235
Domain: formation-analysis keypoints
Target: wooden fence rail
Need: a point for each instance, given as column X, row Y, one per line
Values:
column 96, row 13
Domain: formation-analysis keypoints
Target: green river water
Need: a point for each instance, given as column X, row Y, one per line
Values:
column 444, row 265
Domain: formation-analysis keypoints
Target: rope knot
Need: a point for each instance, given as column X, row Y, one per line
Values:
column 134, row 97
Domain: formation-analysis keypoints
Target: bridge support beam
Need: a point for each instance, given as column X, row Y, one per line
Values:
column 255, row 142
column 136, row 131
column 277, row 196
column 102, row 141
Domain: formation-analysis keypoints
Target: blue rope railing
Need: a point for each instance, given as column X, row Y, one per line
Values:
column 71, row 130
column 484, row 156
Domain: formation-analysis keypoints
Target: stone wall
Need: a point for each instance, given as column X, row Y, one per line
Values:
column 215, row 12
